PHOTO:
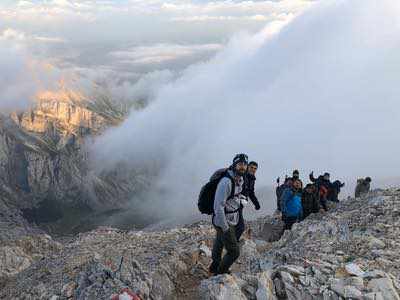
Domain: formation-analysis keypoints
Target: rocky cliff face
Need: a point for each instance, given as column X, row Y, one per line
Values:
column 351, row 252
column 45, row 168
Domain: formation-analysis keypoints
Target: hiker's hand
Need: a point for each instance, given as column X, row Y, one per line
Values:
column 312, row 173
column 243, row 200
column 257, row 206
column 322, row 210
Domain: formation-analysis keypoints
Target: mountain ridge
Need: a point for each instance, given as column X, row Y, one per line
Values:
column 347, row 253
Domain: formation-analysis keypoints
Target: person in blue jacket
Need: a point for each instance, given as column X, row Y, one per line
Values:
column 292, row 210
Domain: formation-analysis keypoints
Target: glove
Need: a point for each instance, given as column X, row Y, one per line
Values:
column 257, row 206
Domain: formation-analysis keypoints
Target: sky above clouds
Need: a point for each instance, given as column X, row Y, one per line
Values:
column 124, row 39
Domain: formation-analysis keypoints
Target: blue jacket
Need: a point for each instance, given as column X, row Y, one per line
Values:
column 291, row 204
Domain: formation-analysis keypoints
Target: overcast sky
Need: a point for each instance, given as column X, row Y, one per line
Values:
column 124, row 39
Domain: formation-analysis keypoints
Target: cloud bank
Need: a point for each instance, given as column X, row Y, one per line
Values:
column 322, row 94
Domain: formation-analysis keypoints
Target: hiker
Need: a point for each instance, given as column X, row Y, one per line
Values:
column 279, row 192
column 291, row 204
column 227, row 203
column 363, row 186
column 296, row 175
column 310, row 200
column 333, row 194
column 248, row 192
column 323, row 184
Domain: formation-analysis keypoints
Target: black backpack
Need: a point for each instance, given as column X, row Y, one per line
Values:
column 207, row 193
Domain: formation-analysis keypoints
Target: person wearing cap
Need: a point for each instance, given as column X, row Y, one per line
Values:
column 226, row 216
column 296, row 176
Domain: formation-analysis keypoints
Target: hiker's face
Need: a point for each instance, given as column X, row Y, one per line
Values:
column 297, row 184
column 326, row 177
column 252, row 169
column 241, row 168
column 295, row 175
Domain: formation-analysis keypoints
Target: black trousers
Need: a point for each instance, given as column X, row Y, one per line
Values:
column 289, row 221
column 228, row 241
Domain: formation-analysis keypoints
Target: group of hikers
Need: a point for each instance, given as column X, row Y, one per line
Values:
column 295, row 203
column 229, row 190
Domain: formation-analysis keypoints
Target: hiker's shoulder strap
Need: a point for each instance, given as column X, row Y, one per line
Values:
column 233, row 185
column 219, row 174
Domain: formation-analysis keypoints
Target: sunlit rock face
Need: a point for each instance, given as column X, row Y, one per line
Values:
column 58, row 112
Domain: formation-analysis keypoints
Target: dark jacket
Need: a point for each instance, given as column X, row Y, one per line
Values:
column 248, row 191
column 310, row 203
column 320, row 181
column 333, row 194
column 323, row 188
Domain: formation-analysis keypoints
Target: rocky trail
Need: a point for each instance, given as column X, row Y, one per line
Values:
column 351, row 252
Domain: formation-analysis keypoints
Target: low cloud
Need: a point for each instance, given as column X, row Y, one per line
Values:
column 22, row 75
column 321, row 94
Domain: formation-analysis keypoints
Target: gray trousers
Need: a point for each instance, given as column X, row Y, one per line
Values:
column 228, row 241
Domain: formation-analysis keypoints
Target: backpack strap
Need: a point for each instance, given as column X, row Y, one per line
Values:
column 232, row 195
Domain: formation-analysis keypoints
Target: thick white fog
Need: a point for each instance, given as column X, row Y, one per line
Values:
column 322, row 94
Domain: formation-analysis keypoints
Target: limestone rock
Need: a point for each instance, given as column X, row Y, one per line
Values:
column 222, row 287
column 326, row 256
column 385, row 287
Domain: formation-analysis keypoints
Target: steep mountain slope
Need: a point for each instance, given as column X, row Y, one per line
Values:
column 351, row 252
column 45, row 168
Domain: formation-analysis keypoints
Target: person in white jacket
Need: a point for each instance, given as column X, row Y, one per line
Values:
column 226, row 216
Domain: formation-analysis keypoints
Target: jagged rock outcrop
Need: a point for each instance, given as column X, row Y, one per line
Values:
column 351, row 252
